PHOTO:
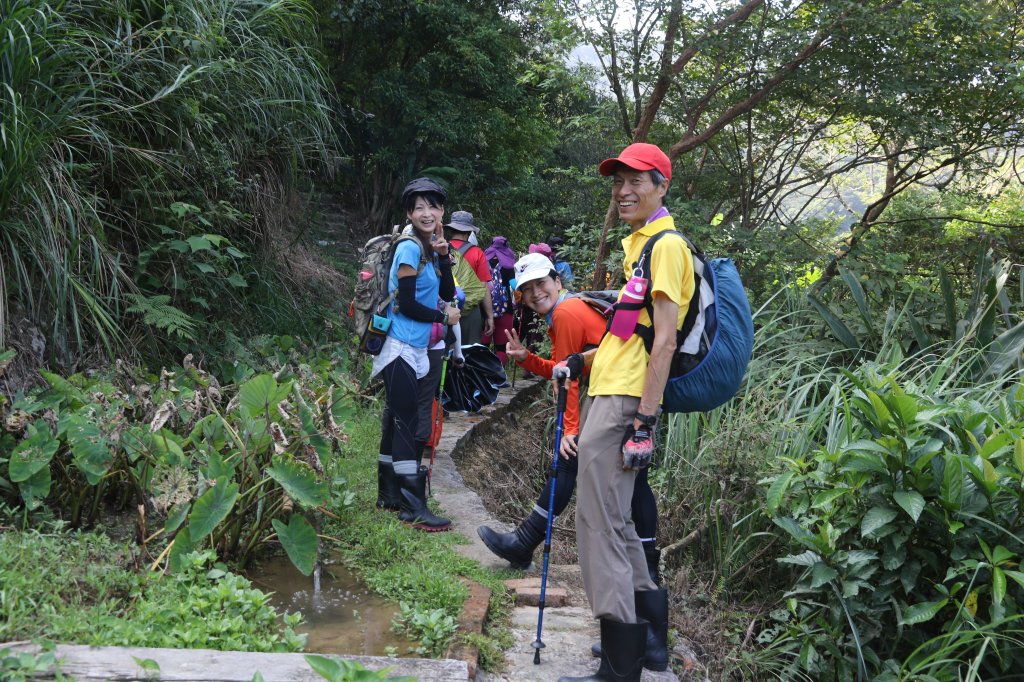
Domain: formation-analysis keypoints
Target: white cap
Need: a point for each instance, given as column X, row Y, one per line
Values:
column 532, row 266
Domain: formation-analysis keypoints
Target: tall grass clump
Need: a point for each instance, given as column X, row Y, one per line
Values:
column 891, row 478
column 143, row 146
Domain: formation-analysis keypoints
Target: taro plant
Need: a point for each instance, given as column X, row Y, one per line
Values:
column 905, row 529
column 225, row 476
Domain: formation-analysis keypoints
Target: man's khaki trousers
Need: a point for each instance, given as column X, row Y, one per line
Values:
column 611, row 556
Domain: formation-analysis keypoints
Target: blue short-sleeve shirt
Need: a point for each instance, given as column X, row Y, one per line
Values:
column 405, row 329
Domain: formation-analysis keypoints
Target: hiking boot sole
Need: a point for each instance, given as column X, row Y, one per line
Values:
column 426, row 528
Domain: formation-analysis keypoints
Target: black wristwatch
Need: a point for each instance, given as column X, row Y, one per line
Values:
column 648, row 420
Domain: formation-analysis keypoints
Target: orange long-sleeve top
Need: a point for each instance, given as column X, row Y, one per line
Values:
column 575, row 326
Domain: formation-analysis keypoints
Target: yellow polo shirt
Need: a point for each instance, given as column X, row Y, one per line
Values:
column 620, row 367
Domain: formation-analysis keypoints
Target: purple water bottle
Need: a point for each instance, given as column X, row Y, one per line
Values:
column 631, row 302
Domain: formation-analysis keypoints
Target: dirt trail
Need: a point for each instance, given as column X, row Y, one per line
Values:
column 498, row 453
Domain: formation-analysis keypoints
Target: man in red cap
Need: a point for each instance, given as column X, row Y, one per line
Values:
column 620, row 418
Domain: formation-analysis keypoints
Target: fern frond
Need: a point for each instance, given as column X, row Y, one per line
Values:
column 158, row 312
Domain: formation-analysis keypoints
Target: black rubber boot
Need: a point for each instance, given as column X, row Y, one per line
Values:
column 388, row 497
column 518, row 546
column 653, row 556
column 622, row 658
column 414, row 504
column 651, row 606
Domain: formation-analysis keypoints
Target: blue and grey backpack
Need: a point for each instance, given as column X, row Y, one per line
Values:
column 717, row 338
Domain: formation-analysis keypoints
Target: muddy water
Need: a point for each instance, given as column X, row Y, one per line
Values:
column 344, row 618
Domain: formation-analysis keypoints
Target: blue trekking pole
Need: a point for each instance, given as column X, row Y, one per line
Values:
column 563, row 392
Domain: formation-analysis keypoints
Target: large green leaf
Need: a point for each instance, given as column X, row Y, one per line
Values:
column 838, row 327
column 176, row 517
column 777, row 490
column 261, row 394
column 307, row 427
column 905, row 406
column 36, row 488
column 949, row 302
column 876, row 518
column 826, row 497
column 90, row 448
column 72, row 395
column 33, row 453
column 182, row 545
column 300, row 482
column 1005, row 351
column 136, row 442
column 911, row 502
column 858, row 296
column 299, row 541
column 998, row 585
column 822, row 574
column 923, row 612
column 952, row 489
column 211, row 508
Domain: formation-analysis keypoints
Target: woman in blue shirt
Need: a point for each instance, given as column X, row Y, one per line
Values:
column 421, row 271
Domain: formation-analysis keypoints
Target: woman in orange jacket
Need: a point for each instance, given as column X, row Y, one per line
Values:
column 574, row 327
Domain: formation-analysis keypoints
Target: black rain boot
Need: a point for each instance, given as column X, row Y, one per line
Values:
column 518, row 546
column 651, row 606
column 388, row 497
column 414, row 504
column 622, row 658
column 653, row 556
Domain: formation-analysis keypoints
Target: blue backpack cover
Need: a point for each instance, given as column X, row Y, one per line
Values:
column 703, row 380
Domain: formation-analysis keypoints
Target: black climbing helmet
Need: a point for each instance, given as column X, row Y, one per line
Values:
column 423, row 186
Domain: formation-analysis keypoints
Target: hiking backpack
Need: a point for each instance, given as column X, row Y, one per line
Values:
column 714, row 346
column 371, row 296
column 499, row 293
column 466, row 278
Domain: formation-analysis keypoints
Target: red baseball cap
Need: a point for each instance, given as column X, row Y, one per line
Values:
column 639, row 156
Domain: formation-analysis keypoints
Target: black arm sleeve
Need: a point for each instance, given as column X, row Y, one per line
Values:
column 447, row 290
column 412, row 308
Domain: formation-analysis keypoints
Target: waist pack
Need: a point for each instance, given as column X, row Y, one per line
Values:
column 371, row 295
column 713, row 347
column 466, row 277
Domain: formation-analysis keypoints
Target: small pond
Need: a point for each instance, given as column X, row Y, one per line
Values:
column 344, row 618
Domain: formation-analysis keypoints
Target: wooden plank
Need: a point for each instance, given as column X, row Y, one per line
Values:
column 85, row 663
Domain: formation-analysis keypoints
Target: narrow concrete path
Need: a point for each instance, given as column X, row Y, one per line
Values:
column 569, row 629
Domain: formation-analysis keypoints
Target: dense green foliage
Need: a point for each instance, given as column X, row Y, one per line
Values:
column 144, row 146
column 905, row 518
column 223, row 464
column 90, row 593
column 857, row 159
